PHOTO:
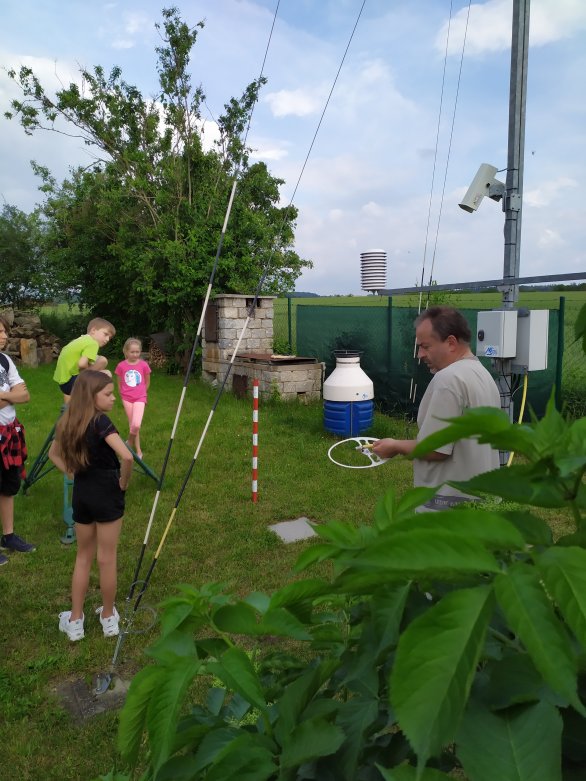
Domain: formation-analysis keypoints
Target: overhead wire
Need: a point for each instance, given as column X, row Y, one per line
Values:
column 251, row 309
column 413, row 384
column 146, row 581
column 441, row 205
column 236, row 174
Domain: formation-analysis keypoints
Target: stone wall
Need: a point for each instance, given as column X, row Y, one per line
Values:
column 28, row 344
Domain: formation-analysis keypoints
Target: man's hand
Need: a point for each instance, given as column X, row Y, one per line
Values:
column 389, row 448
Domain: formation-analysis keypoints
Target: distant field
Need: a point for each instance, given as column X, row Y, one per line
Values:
column 574, row 362
column 533, row 300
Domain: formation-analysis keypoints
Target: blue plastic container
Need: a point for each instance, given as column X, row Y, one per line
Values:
column 348, row 418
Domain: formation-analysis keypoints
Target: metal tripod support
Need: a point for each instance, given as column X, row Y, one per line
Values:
column 38, row 470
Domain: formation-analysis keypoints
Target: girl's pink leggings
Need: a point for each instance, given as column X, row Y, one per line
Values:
column 134, row 412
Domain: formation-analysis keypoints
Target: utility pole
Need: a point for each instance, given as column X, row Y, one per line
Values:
column 512, row 200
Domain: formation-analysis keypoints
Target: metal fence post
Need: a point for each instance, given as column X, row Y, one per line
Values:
column 560, row 353
column 389, row 336
column 289, row 330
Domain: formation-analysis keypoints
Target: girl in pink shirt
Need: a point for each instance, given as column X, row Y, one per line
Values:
column 133, row 383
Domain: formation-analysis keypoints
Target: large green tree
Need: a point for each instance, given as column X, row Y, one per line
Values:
column 136, row 233
column 25, row 275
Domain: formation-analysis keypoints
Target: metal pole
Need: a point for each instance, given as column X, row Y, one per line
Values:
column 255, row 384
column 512, row 200
column 559, row 364
column 289, row 328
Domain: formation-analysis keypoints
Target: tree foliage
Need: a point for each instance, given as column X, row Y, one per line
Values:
column 25, row 276
column 445, row 642
column 136, row 232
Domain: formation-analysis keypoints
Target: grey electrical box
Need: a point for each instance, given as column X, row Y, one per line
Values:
column 496, row 334
column 532, row 335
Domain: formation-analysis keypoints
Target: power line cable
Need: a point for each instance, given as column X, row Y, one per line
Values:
column 449, row 148
column 413, row 387
column 135, row 580
column 242, row 332
column 105, row 678
column 413, row 384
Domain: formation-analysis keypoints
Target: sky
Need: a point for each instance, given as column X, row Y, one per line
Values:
column 388, row 167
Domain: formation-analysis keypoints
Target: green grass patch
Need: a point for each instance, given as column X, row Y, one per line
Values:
column 218, row 535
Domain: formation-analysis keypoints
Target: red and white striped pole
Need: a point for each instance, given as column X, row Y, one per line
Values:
column 255, row 384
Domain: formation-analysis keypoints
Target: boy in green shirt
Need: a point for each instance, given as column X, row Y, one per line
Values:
column 82, row 353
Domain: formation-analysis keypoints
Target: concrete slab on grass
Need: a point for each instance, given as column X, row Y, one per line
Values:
column 293, row 531
column 81, row 702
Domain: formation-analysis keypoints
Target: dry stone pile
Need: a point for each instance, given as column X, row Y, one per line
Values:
column 29, row 344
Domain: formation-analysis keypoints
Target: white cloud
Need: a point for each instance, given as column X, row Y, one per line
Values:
column 137, row 23
column 122, row 43
column 53, row 74
column 262, row 152
column 372, row 209
column 489, row 25
column 298, row 102
column 127, row 30
column 548, row 192
column 549, row 239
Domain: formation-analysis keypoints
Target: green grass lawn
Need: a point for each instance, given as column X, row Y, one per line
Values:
column 218, row 535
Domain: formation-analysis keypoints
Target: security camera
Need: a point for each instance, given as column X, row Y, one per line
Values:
column 483, row 184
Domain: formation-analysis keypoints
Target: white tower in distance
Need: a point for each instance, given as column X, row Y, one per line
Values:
column 373, row 270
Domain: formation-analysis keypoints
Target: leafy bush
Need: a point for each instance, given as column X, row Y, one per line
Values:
column 281, row 346
column 442, row 642
column 67, row 325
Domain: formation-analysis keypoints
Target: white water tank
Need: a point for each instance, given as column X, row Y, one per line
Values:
column 348, row 382
column 373, row 270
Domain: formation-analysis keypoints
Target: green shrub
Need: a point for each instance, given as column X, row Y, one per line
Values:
column 65, row 324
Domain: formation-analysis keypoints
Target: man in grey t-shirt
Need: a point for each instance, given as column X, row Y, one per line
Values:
column 460, row 382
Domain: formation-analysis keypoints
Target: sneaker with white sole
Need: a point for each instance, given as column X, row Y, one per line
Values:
column 15, row 543
column 73, row 629
column 110, row 624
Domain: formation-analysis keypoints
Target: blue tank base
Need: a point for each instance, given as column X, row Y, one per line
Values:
column 348, row 418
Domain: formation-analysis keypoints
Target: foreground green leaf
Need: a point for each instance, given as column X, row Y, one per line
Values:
column 564, row 573
column 519, row 483
column 435, row 665
column 312, row 739
column 134, row 713
column 165, row 705
column 235, row 670
column 530, row 615
column 489, row 425
column 410, row 773
column 519, row 744
column 428, row 551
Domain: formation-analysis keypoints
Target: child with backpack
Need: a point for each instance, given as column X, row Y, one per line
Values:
column 12, row 447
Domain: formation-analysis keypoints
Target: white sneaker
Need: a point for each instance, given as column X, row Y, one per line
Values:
column 110, row 624
column 73, row 629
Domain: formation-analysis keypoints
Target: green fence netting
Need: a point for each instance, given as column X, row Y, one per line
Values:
column 385, row 337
